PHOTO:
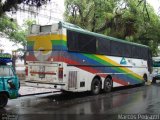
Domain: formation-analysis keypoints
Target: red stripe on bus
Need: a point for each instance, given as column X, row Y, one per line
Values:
column 31, row 58
column 50, row 73
column 114, row 79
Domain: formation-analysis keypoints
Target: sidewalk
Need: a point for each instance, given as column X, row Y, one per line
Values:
column 25, row 90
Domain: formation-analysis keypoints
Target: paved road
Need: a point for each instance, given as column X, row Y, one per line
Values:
column 115, row 105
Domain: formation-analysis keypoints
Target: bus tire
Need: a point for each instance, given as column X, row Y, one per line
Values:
column 154, row 80
column 95, row 86
column 3, row 100
column 145, row 78
column 108, row 84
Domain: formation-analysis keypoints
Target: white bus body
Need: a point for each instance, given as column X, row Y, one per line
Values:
column 56, row 60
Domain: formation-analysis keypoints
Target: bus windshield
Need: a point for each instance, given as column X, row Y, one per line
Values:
column 6, row 71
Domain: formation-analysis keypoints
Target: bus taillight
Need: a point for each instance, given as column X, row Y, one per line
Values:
column 26, row 71
column 60, row 73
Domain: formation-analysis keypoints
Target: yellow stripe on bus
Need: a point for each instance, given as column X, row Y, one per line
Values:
column 43, row 42
column 116, row 64
column 47, row 37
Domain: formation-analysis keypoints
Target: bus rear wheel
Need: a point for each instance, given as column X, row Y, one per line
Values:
column 95, row 86
column 145, row 78
column 108, row 85
column 154, row 80
column 3, row 100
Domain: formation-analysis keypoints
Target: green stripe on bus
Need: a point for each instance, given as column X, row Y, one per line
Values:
column 59, row 42
column 30, row 43
column 118, row 69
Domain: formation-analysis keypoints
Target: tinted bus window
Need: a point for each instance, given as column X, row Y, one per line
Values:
column 87, row 43
column 103, row 46
column 81, row 42
column 136, row 51
column 115, row 48
column 120, row 49
column 144, row 53
column 72, row 40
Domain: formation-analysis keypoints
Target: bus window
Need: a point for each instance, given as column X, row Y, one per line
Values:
column 144, row 53
column 87, row 43
column 120, row 49
column 81, row 42
column 103, row 46
column 135, row 52
column 46, row 28
column 35, row 29
column 72, row 41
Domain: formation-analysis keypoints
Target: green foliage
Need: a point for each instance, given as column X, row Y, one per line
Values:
column 125, row 19
column 15, row 33
column 9, row 5
column 10, row 29
column 27, row 24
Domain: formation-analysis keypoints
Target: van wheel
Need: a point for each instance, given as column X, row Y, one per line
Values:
column 3, row 100
column 95, row 86
column 108, row 84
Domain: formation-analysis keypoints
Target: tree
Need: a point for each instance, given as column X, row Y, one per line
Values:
column 125, row 19
column 10, row 29
column 8, row 5
column 26, row 26
column 89, row 12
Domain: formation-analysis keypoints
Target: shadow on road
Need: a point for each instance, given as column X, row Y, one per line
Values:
column 64, row 96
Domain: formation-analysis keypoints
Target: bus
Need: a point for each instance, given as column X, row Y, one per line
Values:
column 156, row 69
column 66, row 57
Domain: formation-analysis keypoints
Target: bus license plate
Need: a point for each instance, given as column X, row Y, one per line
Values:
column 41, row 71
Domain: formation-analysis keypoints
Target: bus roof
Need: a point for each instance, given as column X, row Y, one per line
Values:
column 81, row 30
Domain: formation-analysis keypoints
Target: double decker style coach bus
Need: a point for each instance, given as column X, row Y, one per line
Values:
column 67, row 57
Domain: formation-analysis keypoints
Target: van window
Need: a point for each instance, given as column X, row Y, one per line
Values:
column 6, row 71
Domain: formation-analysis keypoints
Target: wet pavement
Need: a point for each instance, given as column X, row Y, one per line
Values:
column 78, row 106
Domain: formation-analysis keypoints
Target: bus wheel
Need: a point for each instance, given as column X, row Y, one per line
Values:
column 3, row 100
column 145, row 78
column 154, row 80
column 108, row 85
column 95, row 86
